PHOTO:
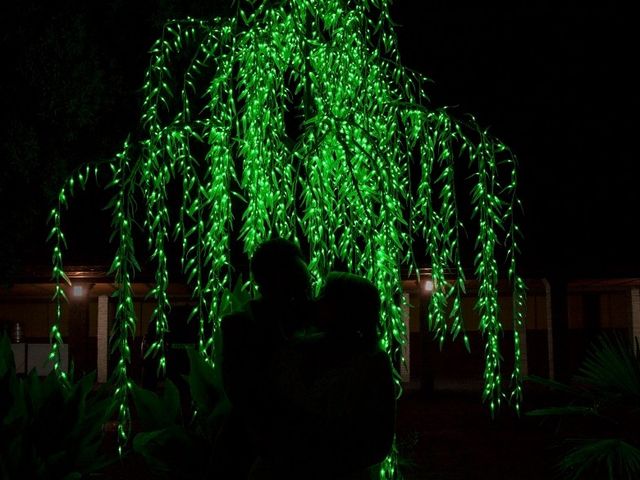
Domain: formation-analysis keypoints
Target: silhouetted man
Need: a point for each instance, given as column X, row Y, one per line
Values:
column 250, row 342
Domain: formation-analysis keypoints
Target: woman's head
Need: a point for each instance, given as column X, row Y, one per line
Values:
column 352, row 305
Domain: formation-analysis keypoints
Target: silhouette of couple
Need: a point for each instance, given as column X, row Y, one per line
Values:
column 311, row 391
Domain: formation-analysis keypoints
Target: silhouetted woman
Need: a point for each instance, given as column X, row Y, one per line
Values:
column 336, row 389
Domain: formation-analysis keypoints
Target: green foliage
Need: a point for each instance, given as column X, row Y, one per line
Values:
column 155, row 412
column 49, row 429
column 612, row 369
column 600, row 425
column 173, row 446
column 610, row 458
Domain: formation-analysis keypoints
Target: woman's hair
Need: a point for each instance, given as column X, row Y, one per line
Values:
column 278, row 266
column 357, row 300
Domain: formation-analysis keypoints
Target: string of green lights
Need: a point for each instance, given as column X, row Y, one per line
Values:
column 123, row 269
column 302, row 113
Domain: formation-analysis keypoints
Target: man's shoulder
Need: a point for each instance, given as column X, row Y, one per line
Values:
column 240, row 319
column 237, row 316
column 235, row 320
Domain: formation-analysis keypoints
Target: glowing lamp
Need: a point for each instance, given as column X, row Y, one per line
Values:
column 78, row 291
column 428, row 286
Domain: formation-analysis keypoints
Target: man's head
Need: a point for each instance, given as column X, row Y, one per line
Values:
column 280, row 271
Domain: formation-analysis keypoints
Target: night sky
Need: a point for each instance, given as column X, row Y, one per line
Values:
column 558, row 84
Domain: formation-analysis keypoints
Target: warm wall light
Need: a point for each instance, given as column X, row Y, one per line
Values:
column 79, row 291
column 428, row 286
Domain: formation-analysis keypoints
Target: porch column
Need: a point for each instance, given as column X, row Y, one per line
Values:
column 102, row 335
column 635, row 314
column 547, row 296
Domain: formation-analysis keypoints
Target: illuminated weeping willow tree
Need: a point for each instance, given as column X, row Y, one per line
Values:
column 301, row 112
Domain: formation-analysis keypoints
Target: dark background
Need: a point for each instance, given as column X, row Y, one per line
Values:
column 555, row 81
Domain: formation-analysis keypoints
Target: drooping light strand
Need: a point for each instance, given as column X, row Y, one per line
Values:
column 58, row 275
column 123, row 269
column 518, row 287
column 487, row 209
column 80, row 176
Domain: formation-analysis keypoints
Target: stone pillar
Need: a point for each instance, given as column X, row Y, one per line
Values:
column 547, row 296
column 79, row 332
column 635, row 314
column 524, row 356
column 591, row 315
column 405, row 367
column 102, row 337
column 558, row 331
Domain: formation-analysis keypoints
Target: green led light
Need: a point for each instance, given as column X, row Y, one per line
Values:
column 368, row 173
